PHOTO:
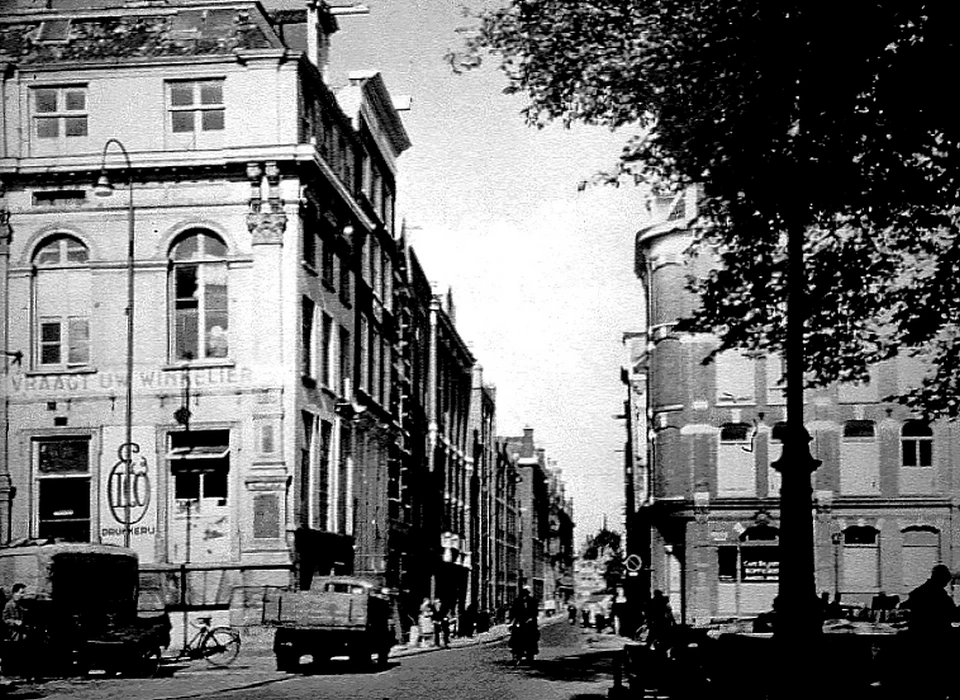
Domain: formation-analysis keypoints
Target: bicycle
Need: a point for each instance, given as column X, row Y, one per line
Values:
column 218, row 645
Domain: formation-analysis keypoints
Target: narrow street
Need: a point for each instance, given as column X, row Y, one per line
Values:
column 574, row 664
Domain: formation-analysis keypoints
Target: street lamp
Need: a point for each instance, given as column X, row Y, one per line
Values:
column 104, row 188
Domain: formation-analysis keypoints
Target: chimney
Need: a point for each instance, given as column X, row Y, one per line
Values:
column 527, row 445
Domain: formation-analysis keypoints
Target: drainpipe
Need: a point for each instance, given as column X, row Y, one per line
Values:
column 7, row 490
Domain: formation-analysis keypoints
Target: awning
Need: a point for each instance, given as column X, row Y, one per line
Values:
column 199, row 452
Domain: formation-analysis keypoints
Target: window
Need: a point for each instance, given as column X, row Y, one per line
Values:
column 735, row 461
column 62, row 470
column 306, row 336
column 200, row 464
column 60, row 112
column 196, row 105
column 774, row 452
column 916, row 457
column 326, row 349
column 345, row 350
column 309, row 245
column 200, row 322
column 364, row 353
column 343, row 478
column 306, row 461
column 916, row 441
column 734, row 377
column 64, row 342
column 859, row 459
column 345, row 277
column 375, row 268
column 323, row 477
column 921, row 551
column 62, row 299
column 861, row 560
column 327, row 265
column 776, row 379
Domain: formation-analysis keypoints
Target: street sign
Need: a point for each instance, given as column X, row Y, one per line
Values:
column 633, row 563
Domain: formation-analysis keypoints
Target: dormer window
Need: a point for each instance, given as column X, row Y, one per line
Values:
column 60, row 112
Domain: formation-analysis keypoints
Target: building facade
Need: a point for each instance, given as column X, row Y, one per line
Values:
column 233, row 364
column 250, row 235
column 883, row 494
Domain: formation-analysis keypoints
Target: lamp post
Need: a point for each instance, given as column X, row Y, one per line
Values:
column 104, row 189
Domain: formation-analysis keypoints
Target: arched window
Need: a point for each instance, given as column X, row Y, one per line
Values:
column 916, row 441
column 198, row 288
column 61, row 300
column 921, row 551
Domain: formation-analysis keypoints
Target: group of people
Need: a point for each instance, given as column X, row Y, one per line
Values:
column 435, row 618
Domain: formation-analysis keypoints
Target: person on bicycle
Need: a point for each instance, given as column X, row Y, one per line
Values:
column 524, row 630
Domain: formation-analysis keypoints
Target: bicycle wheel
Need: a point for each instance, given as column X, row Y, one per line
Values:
column 221, row 646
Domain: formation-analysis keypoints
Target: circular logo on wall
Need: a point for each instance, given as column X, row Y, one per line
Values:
column 128, row 486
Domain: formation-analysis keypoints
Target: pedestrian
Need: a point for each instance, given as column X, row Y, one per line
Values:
column 15, row 654
column 572, row 614
column 660, row 620
column 931, row 613
column 441, row 624
column 426, row 622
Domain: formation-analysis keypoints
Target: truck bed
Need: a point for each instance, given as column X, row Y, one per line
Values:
column 317, row 610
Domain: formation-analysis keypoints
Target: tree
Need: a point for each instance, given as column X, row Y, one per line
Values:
column 827, row 119
column 826, row 153
column 606, row 547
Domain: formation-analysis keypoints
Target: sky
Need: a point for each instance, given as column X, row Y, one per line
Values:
column 542, row 275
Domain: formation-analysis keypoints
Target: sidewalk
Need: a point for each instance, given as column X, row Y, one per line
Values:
column 255, row 667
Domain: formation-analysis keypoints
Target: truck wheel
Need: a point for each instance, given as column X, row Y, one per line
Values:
column 286, row 662
column 361, row 659
column 383, row 657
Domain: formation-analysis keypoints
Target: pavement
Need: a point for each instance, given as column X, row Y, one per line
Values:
column 254, row 667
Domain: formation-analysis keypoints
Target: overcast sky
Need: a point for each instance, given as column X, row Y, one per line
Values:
column 542, row 274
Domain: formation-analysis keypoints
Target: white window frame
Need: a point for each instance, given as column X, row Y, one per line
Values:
column 69, row 328
column 73, row 323
column 735, row 460
column 205, row 264
column 196, row 108
column 61, row 114
column 915, row 446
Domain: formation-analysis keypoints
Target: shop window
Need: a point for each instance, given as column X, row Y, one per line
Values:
column 62, row 299
column 62, row 471
column 198, row 287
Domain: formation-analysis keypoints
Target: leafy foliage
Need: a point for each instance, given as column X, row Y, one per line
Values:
column 828, row 119
column 606, row 547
